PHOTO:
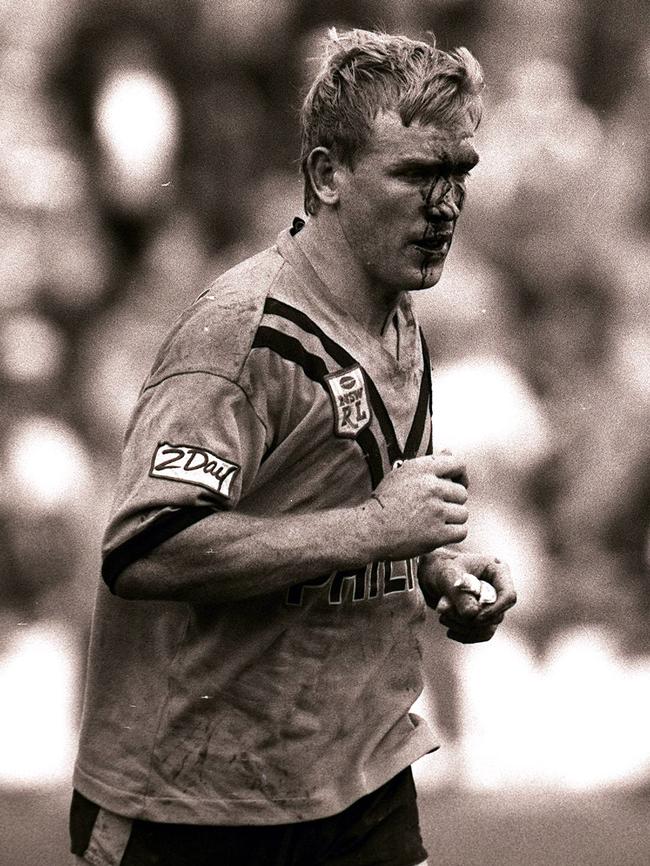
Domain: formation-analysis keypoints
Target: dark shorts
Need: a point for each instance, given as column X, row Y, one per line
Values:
column 380, row 829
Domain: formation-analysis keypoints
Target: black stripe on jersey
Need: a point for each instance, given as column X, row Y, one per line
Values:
column 314, row 368
column 424, row 406
column 342, row 357
column 427, row 367
column 166, row 525
column 371, row 452
column 381, row 413
column 278, row 308
column 291, row 350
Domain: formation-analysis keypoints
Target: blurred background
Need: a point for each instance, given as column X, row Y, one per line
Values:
column 146, row 146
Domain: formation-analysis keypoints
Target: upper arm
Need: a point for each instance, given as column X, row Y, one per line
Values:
column 193, row 447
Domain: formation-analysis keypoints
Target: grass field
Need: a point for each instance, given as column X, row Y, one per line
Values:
column 460, row 829
column 544, row 830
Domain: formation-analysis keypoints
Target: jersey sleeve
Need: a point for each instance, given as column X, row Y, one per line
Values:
column 193, row 447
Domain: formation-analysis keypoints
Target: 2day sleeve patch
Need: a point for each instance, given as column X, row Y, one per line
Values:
column 193, row 465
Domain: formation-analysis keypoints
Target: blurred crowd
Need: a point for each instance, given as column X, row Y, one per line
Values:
column 147, row 145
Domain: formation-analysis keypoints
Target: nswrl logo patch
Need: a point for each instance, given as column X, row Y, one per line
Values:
column 350, row 401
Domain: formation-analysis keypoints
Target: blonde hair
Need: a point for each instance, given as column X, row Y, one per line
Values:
column 365, row 72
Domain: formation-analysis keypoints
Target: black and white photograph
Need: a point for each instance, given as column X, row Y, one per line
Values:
column 325, row 454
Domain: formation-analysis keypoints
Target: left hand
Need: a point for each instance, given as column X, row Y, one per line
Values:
column 441, row 574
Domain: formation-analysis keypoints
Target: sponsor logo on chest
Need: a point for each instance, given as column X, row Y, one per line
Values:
column 384, row 578
column 349, row 400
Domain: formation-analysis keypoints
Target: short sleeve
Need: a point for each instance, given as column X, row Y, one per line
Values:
column 194, row 445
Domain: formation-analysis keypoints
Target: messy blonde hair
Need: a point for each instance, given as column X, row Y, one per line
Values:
column 364, row 73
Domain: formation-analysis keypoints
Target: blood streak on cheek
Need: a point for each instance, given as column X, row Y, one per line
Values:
column 428, row 230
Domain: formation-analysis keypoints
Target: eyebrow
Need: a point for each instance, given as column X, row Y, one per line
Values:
column 443, row 163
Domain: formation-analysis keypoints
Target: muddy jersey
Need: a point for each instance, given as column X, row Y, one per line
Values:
column 267, row 397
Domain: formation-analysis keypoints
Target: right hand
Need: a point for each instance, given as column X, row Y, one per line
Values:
column 418, row 507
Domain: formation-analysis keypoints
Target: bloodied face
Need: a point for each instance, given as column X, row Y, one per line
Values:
column 399, row 204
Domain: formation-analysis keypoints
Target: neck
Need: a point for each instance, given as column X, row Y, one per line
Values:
column 329, row 253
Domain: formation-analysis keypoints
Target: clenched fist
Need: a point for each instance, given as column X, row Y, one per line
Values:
column 420, row 506
column 451, row 583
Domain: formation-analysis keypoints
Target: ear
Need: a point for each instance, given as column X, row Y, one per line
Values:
column 321, row 169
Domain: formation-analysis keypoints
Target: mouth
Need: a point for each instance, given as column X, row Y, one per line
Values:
column 434, row 245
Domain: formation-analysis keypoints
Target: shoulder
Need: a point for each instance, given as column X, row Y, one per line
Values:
column 215, row 334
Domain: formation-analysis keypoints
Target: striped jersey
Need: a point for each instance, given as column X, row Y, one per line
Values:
column 266, row 397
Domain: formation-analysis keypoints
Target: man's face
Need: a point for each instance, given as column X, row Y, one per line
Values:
column 399, row 205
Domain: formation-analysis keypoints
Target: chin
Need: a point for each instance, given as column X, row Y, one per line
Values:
column 421, row 272
column 427, row 278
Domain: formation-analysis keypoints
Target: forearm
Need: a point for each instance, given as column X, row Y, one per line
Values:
column 230, row 556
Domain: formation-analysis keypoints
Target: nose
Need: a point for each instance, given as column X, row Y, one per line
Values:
column 443, row 207
column 443, row 211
